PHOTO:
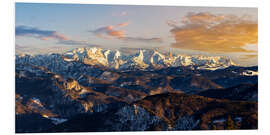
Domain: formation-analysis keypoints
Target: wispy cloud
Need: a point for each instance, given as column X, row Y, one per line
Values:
column 140, row 39
column 123, row 13
column 112, row 31
column 17, row 46
column 214, row 32
column 47, row 35
column 75, row 42
column 124, row 24
column 38, row 33
column 108, row 31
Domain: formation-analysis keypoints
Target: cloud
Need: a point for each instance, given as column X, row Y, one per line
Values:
column 111, row 31
column 124, row 13
column 140, row 39
column 214, row 33
column 120, row 14
column 17, row 46
column 123, row 24
column 47, row 35
column 75, row 42
column 108, row 31
column 38, row 33
column 116, row 33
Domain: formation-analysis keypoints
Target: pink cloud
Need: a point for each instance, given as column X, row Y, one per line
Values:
column 117, row 33
column 111, row 31
column 123, row 24
column 124, row 13
column 55, row 36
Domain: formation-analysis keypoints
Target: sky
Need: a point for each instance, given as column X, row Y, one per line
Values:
column 214, row 31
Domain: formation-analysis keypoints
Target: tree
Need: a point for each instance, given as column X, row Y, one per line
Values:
column 229, row 123
column 186, row 123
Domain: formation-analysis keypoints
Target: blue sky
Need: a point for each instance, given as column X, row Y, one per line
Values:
column 42, row 28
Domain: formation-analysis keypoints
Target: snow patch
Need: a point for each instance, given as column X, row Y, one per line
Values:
column 57, row 121
column 249, row 73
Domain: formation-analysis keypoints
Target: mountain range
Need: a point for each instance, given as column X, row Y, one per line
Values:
column 141, row 59
column 95, row 89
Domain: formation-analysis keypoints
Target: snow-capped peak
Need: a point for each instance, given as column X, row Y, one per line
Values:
column 142, row 59
column 139, row 60
column 93, row 49
column 117, row 54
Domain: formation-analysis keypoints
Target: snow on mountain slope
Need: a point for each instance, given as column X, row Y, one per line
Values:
column 142, row 59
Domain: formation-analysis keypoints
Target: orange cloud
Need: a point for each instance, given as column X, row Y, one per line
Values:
column 117, row 33
column 203, row 18
column 55, row 36
column 123, row 24
column 110, row 27
column 45, row 38
column 214, row 33
column 111, row 31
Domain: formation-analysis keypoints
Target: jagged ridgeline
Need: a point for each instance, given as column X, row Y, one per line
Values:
column 140, row 59
column 95, row 89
